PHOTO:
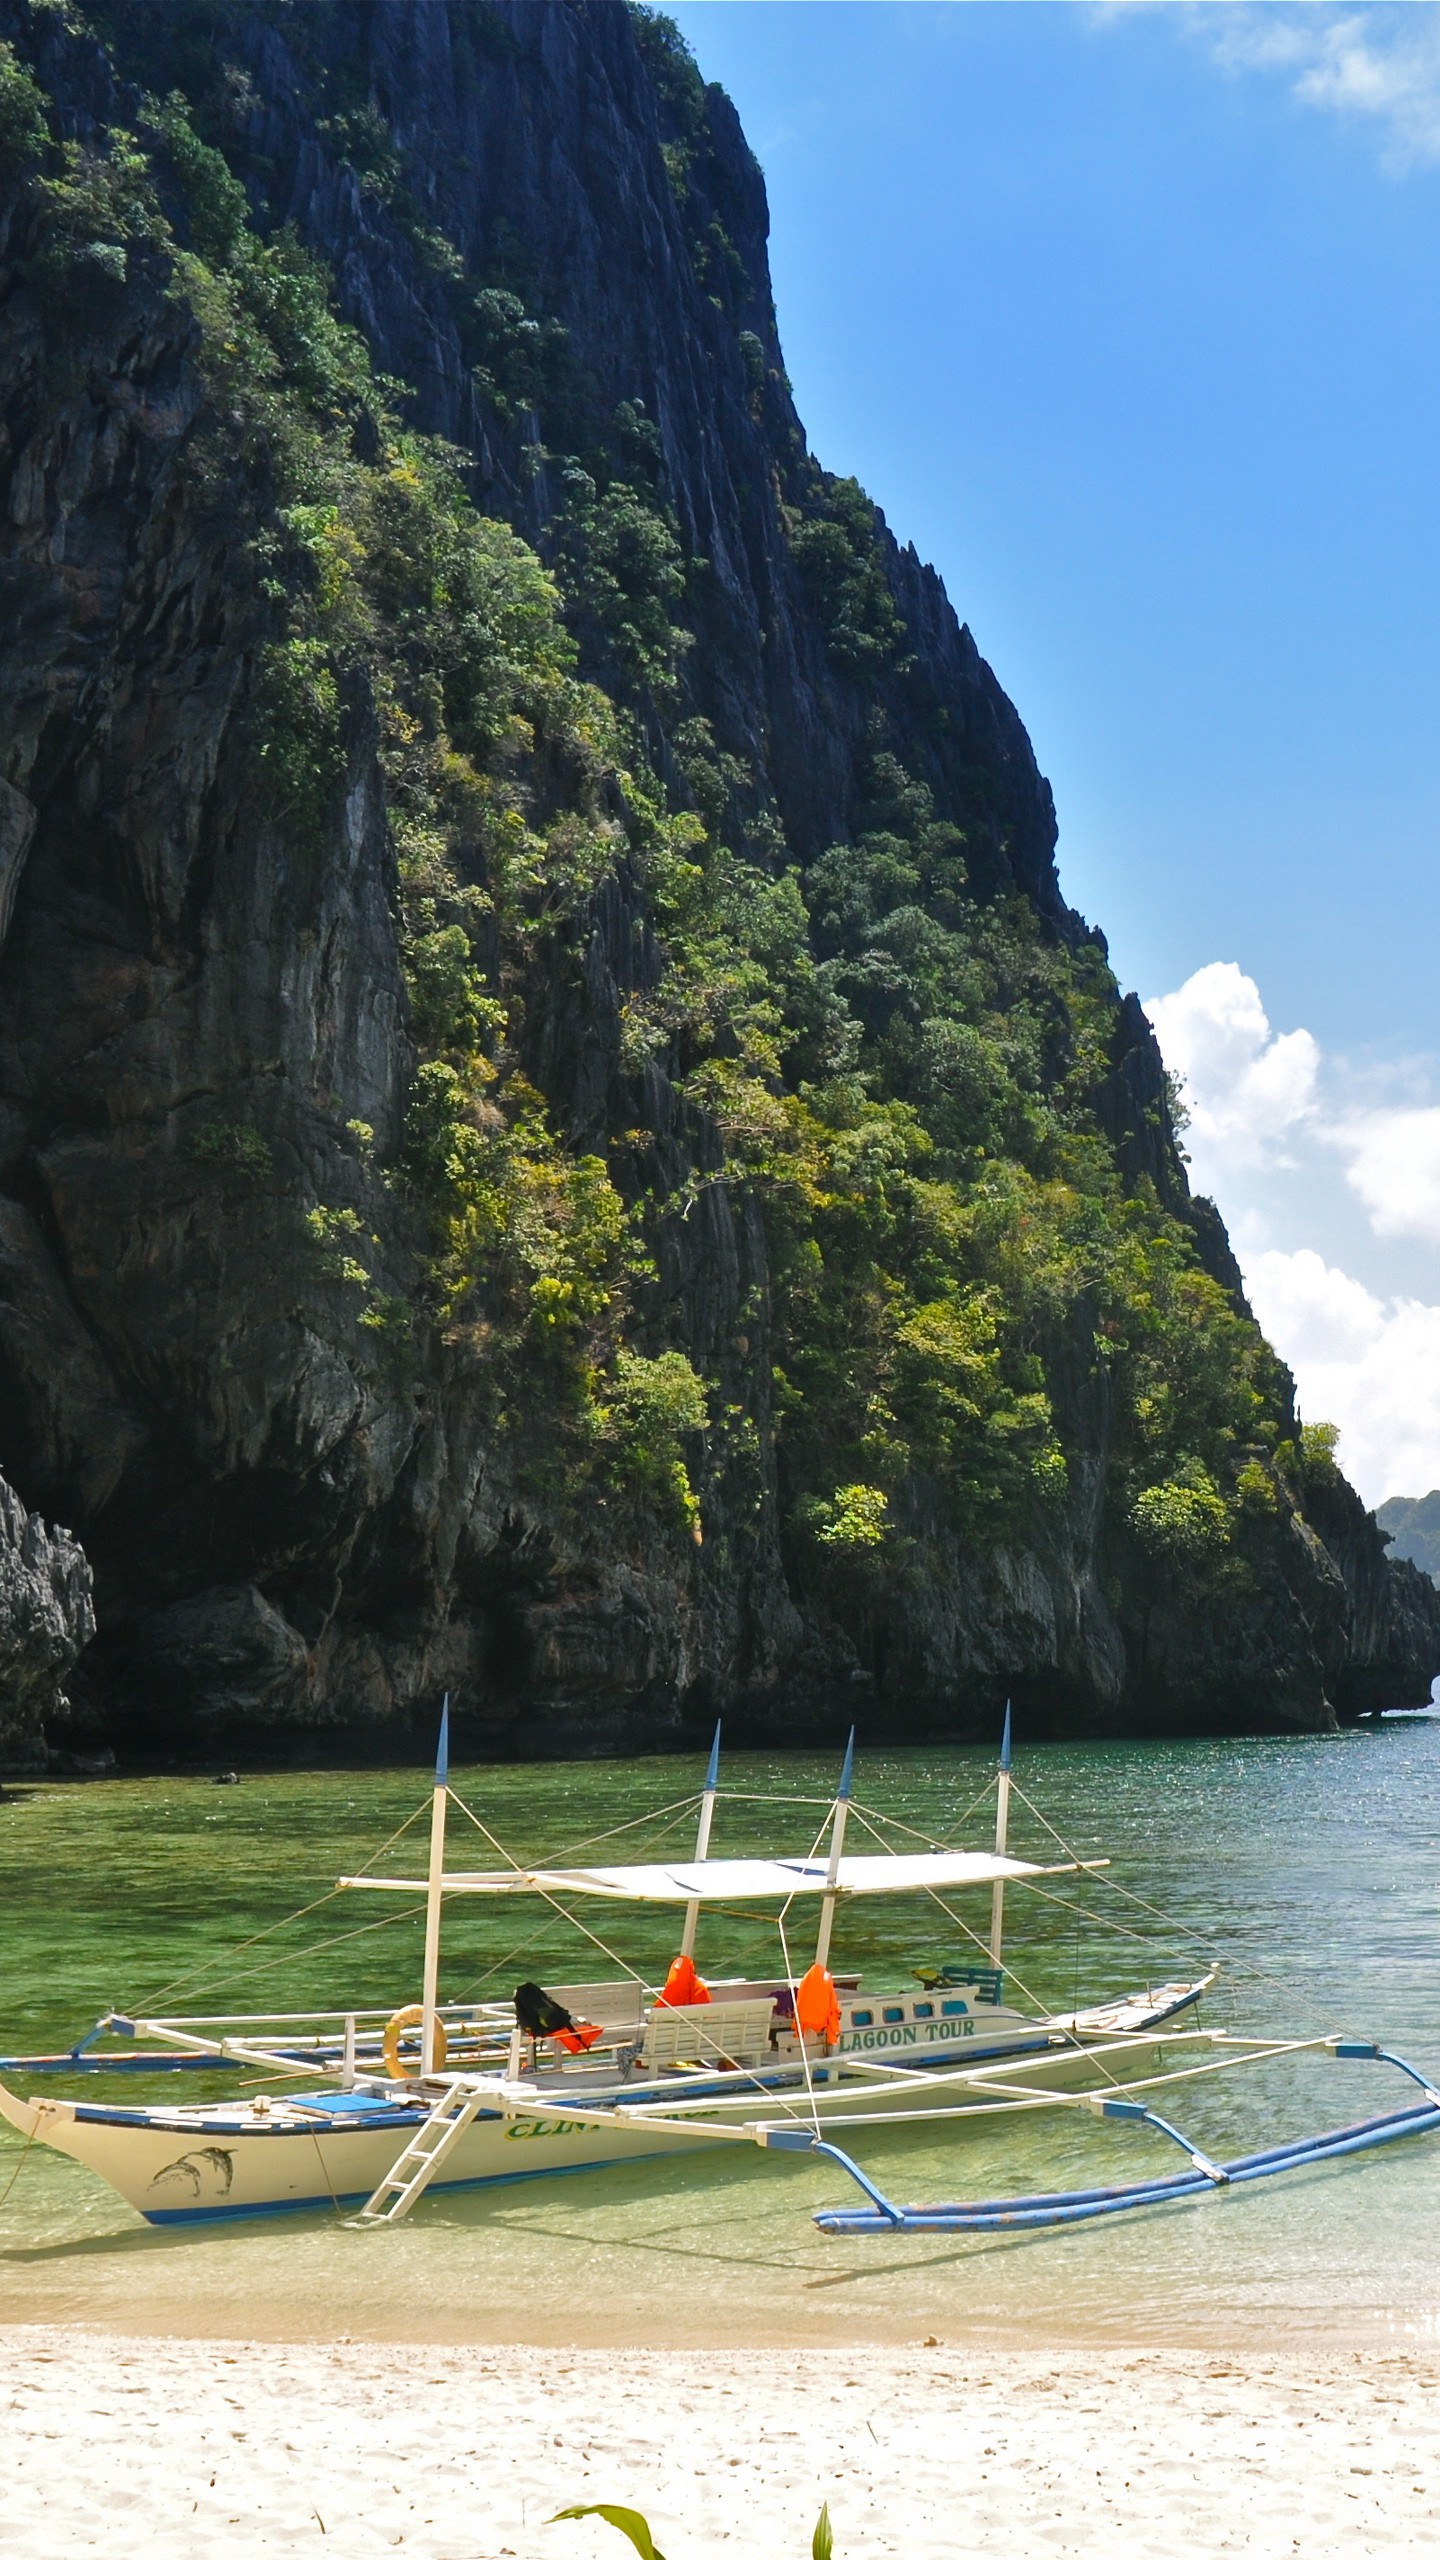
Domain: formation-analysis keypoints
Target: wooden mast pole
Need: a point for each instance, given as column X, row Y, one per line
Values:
column 702, row 1840
column 837, row 1843
column 1002, row 1833
column 430, row 1987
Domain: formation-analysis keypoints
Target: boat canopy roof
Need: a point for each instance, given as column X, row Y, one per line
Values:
column 739, row 1879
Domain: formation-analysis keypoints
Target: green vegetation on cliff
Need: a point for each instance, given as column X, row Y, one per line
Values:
column 902, row 1073
column 559, row 1136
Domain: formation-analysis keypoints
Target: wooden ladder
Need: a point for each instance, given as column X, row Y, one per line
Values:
column 423, row 2153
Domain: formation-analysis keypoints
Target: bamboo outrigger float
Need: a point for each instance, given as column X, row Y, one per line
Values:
column 601, row 2072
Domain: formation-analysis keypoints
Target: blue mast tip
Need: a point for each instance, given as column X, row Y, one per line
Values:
column 1005, row 1739
column 846, row 1774
column 442, row 1755
column 712, row 1774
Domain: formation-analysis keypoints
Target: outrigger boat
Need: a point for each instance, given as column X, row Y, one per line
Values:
column 601, row 2072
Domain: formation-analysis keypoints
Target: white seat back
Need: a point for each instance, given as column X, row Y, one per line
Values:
column 730, row 2031
column 603, row 2004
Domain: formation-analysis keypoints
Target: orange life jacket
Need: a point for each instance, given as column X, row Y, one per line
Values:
column 580, row 2037
column 817, row 2009
column 683, row 1987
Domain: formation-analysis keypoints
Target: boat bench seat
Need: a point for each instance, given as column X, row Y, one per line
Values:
column 729, row 2030
column 612, row 2005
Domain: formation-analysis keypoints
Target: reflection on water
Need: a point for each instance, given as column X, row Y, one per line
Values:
column 1309, row 1866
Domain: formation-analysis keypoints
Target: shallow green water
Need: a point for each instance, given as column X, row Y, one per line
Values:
column 1312, row 1868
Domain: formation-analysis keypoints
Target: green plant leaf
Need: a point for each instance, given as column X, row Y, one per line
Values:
column 823, row 2540
column 626, row 2520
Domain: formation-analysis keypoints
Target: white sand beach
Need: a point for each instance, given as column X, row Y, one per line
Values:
column 181, row 2450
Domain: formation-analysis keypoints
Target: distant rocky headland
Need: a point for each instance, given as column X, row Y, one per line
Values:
column 1412, row 1524
column 558, row 1137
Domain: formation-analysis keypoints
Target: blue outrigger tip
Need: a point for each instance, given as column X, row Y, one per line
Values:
column 1005, row 1739
column 843, row 1791
column 442, row 1752
column 1086, row 2204
column 712, row 1774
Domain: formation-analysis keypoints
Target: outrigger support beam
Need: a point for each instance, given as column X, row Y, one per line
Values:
column 1085, row 2204
column 1134, row 2113
column 1347, row 2049
column 786, row 2137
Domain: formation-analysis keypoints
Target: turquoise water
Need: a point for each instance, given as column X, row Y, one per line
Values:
column 1310, row 1868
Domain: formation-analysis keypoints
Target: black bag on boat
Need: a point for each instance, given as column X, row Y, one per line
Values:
column 537, row 2013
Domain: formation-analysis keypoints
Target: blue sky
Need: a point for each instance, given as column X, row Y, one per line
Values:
column 1129, row 317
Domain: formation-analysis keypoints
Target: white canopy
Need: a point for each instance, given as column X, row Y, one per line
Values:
column 740, row 1879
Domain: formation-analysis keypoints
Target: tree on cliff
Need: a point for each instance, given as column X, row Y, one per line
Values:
column 557, row 1127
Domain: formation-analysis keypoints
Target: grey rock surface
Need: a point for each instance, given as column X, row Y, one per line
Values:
column 46, row 1619
column 300, row 1534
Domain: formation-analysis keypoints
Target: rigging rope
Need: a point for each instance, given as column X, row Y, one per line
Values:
column 668, row 1817
column 669, row 1814
column 198, row 1972
column 19, row 2165
column 984, row 1945
column 893, row 1822
column 1241, row 1967
column 555, row 1904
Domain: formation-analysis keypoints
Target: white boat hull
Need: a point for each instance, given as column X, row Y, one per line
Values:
column 208, row 2170
column 214, row 2162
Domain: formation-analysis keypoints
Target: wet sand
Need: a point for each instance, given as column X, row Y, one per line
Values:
column 187, row 2451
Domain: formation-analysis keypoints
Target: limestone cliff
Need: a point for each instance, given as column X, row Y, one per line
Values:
column 342, row 1409
column 45, row 1620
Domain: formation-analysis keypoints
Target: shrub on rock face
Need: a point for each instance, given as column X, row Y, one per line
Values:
column 1183, row 1520
column 46, row 1617
column 651, row 1408
column 856, row 1518
column 24, row 132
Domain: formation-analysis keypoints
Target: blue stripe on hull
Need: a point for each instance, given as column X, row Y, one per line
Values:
column 16, row 2063
column 377, row 2121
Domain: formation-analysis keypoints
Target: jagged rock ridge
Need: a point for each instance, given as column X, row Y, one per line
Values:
column 300, row 1530
column 46, row 1618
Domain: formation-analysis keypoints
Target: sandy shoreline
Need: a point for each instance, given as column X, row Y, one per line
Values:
column 186, row 2451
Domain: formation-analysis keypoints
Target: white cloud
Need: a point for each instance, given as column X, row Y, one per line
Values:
column 1247, row 1087
column 1394, row 1168
column 1311, row 1304
column 1377, row 64
column 1253, row 1095
column 1370, row 1367
column 1261, row 1101
column 1380, row 62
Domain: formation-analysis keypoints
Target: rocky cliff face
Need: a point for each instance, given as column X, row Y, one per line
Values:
column 306, row 1512
column 46, row 1618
